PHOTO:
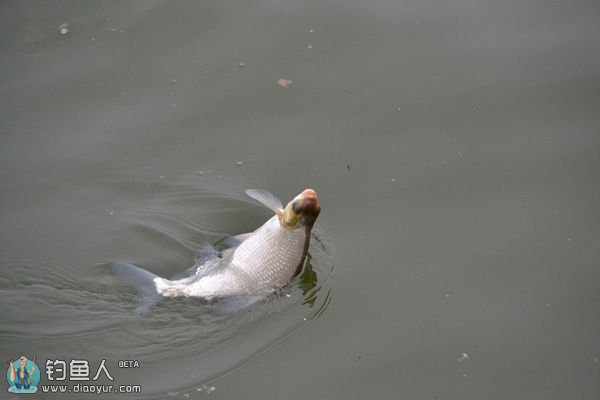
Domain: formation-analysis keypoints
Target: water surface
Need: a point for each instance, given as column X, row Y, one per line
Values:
column 454, row 145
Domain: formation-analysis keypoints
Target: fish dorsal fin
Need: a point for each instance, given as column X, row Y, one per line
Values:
column 265, row 197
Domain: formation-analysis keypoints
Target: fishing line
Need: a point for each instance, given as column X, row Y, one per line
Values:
column 324, row 77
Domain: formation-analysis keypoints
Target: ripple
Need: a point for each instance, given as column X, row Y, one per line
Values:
column 74, row 312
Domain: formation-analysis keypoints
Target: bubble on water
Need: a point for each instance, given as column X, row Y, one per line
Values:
column 162, row 177
column 312, row 31
column 111, row 213
column 309, row 46
column 173, row 80
column 239, row 163
column 463, row 357
column 63, row 29
column 241, row 65
column 186, row 395
column 392, row 180
column 199, row 172
column 93, row 39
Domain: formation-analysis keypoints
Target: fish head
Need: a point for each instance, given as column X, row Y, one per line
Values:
column 302, row 211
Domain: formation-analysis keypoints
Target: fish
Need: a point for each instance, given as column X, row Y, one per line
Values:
column 252, row 266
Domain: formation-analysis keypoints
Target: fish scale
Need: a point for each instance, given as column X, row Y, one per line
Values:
column 279, row 251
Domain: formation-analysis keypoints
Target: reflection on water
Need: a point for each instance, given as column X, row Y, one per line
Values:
column 308, row 283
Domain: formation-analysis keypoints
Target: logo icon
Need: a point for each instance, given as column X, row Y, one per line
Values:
column 23, row 375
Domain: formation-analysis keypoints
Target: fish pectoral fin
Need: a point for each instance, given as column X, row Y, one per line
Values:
column 234, row 241
column 267, row 198
column 233, row 304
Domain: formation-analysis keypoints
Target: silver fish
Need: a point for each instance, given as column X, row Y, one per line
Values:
column 258, row 264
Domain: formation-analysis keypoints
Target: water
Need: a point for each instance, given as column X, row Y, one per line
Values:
column 454, row 145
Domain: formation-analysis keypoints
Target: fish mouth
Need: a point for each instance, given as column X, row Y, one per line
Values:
column 306, row 204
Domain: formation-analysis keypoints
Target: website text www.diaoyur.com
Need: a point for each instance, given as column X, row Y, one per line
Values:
column 93, row 389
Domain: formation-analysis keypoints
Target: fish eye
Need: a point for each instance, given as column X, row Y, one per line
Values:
column 297, row 207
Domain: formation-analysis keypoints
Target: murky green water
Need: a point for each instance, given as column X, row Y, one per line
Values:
column 455, row 147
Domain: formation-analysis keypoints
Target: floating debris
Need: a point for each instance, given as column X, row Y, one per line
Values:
column 463, row 356
column 284, row 83
column 241, row 65
column 239, row 163
column 63, row 29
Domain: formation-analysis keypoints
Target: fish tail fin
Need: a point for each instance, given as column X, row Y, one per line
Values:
column 140, row 279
